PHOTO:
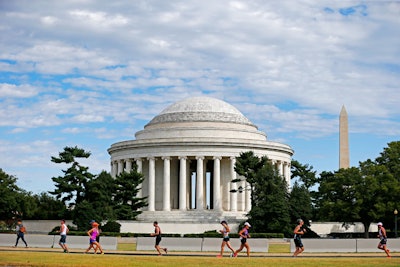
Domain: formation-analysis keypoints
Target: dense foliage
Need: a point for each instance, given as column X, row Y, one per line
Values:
column 269, row 199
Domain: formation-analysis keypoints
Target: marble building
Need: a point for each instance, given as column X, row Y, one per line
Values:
column 187, row 156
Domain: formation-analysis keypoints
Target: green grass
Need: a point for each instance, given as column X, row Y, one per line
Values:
column 279, row 248
column 52, row 259
column 126, row 246
column 273, row 247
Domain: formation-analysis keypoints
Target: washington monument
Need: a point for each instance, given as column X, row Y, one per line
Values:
column 343, row 140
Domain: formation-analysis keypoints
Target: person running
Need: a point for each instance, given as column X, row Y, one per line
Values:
column 382, row 236
column 225, row 241
column 93, row 233
column 298, row 232
column 63, row 236
column 98, row 237
column 157, row 234
column 244, row 234
column 20, row 231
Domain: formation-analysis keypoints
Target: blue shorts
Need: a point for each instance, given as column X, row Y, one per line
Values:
column 63, row 239
column 92, row 241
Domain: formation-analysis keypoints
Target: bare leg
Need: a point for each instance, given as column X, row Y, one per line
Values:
column 238, row 250
column 230, row 247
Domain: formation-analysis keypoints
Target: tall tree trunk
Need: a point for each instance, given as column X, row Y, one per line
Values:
column 366, row 229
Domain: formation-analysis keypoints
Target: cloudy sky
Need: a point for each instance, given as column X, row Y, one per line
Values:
column 91, row 73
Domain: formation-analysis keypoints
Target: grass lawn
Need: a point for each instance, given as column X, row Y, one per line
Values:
column 126, row 246
column 279, row 248
column 273, row 247
column 50, row 259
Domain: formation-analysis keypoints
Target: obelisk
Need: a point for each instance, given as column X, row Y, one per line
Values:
column 344, row 158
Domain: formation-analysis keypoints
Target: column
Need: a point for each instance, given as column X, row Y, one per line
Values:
column 217, row 184
column 182, row 183
column 166, row 184
column 287, row 173
column 139, row 165
column 113, row 169
column 247, row 194
column 280, row 166
column 199, row 184
column 233, row 196
column 242, row 196
column 139, row 169
column 120, row 166
column 152, row 184
column 128, row 165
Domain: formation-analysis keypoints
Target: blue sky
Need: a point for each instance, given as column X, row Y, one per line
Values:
column 92, row 73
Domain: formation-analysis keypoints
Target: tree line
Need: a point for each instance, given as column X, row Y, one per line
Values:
column 367, row 193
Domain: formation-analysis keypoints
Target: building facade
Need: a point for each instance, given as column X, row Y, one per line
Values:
column 187, row 155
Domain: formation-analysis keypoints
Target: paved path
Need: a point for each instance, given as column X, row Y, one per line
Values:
column 204, row 254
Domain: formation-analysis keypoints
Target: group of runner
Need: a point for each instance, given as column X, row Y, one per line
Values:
column 299, row 231
column 94, row 235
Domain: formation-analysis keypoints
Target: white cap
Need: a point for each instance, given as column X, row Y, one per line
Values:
column 247, row 224
column 379, row 223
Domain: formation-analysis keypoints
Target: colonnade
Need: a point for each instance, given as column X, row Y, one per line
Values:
column 191, row 182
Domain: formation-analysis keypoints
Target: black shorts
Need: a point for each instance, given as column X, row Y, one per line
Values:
column 298, row 243
column 158, row 240
column 226, row 239
column 243, row 240
column 383, row 241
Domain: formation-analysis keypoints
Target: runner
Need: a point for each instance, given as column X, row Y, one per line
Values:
column 244, row 234
column 298, row 232
column 225, row 241
column 157, row 234
column 382, row 236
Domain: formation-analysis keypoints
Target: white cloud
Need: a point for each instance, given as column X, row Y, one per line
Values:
column 70, row 68
column 17, row 91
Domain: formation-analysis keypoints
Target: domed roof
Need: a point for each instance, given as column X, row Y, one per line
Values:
column 201, row 109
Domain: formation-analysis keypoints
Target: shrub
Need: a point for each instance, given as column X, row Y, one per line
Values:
column 111, row 226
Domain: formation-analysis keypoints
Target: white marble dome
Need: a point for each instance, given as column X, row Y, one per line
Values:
column 201, row 109
column 200, row 117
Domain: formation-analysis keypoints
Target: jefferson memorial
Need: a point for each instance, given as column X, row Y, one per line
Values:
column 187, row 156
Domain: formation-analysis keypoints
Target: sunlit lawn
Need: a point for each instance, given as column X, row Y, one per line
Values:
column 126, row 246
column 273, row 247
column 50, row 259
column 279, row 248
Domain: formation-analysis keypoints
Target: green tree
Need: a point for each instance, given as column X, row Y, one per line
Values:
column 300, row 203
column 338, row 195
column 363, row 194
column 302, row 196
column 83, row 213
column 49, row 208
column 379, row 191
column 269, row 193
column 9, row 192
column 71, row 187
column 247, row 165
column 126, row 203
column 390, row 157
column 99, row 192
column 270, row 212
column 304, row 173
